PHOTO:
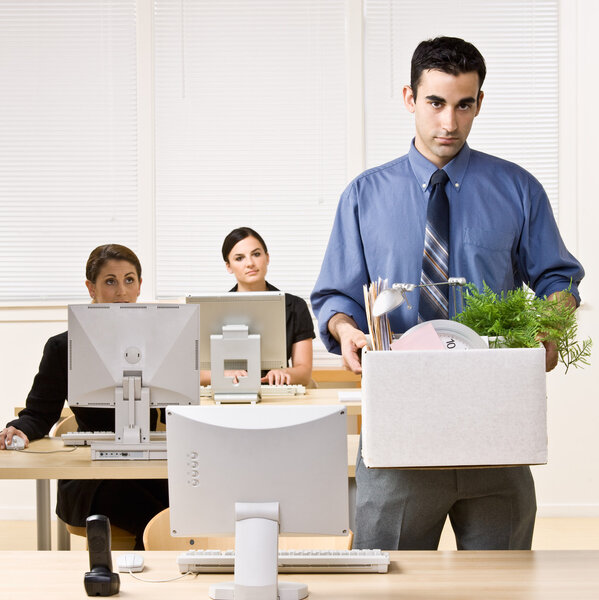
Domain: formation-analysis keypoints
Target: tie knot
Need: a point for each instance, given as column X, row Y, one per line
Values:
column 439, row 176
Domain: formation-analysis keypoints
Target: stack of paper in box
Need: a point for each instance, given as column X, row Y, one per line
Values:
column 378, row 327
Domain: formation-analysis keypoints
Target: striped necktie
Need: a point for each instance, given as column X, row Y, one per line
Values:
column 435, row 262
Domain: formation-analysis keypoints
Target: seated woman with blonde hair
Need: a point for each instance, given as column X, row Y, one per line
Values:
column 246, row 257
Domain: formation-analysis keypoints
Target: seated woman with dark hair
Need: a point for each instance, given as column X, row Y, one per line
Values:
column 246, row 257
column 113, row 274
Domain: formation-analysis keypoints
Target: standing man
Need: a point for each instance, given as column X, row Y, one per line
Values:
column 496, row 226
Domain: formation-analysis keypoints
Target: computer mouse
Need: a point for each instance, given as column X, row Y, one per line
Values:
column 17, row 443
column 130, row 562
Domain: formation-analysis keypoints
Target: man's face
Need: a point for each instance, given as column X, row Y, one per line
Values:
column 444, row 110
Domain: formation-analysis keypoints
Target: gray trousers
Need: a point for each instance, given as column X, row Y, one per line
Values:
column 405, row 509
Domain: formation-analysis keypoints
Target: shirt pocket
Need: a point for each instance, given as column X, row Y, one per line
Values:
column 489, row 239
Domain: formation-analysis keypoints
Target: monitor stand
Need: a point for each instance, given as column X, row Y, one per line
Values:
column 256, row 558
column 235, row 349
column 132, row 425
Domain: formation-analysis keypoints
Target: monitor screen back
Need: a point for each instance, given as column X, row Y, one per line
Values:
column 158, row 341
column 262, row 312
column 294, row 455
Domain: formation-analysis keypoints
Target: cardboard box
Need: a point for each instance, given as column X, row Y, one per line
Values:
column 454, row 408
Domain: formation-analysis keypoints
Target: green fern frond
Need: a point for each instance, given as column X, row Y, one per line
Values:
column 523, row 321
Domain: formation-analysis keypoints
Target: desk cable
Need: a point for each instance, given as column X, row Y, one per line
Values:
column 160, row 580
column 27, row 451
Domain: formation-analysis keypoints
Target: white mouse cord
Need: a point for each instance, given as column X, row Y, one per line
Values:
column 159, row 580
column 27, row 451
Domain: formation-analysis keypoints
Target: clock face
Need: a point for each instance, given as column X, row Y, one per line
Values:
column 454, row 335
column 454, row 342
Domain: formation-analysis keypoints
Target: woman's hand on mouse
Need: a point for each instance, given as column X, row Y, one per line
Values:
column 7, row 434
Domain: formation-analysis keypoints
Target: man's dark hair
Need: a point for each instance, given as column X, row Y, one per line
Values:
column 448, row 54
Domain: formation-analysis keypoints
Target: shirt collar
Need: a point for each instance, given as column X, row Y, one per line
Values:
column 269, row 287
column 424, row 168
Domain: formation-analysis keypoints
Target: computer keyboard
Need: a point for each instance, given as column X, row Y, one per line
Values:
column 282, row 390
column 265, row 390
column 85, row 438
column 291, row 561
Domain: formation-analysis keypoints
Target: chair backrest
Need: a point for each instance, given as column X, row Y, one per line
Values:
column 67, row 424
column 160, row 426
column 157, row 536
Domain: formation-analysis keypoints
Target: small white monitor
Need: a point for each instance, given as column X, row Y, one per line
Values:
column 241, row 331
column 262, row 312
column 144, row 352
column 256, row 470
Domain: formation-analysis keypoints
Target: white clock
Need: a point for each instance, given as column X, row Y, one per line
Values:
column 454, row 335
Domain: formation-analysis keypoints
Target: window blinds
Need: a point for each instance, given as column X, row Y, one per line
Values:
column 519, row 40
column 251, row 125
column 68, row 172
column 250, row 130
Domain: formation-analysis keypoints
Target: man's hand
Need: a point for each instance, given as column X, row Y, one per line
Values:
column 550, row 355
column 350, row 338
column 351, row 342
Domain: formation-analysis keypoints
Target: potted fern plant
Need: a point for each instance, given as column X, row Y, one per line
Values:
column 518, row 319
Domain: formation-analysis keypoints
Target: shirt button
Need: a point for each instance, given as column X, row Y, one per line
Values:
column 457, row 185
column 424, row 186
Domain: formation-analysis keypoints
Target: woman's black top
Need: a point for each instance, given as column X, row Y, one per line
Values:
column 42, row 409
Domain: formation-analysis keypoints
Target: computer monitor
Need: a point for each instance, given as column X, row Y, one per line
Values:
column 241, row 331
column 255, row 471
column 147, row 353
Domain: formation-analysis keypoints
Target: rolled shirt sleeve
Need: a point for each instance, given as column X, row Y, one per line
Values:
column 339, row 287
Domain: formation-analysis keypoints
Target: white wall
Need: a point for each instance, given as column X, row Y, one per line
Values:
column 23, row 333
column 569, row 484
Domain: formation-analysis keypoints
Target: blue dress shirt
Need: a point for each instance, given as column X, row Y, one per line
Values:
column 502, row 232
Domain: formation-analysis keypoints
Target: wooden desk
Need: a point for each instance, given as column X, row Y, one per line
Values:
column 66, row 463
column 336, row 377
column 312, row 396
column 315, row 396
column 537, row 575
